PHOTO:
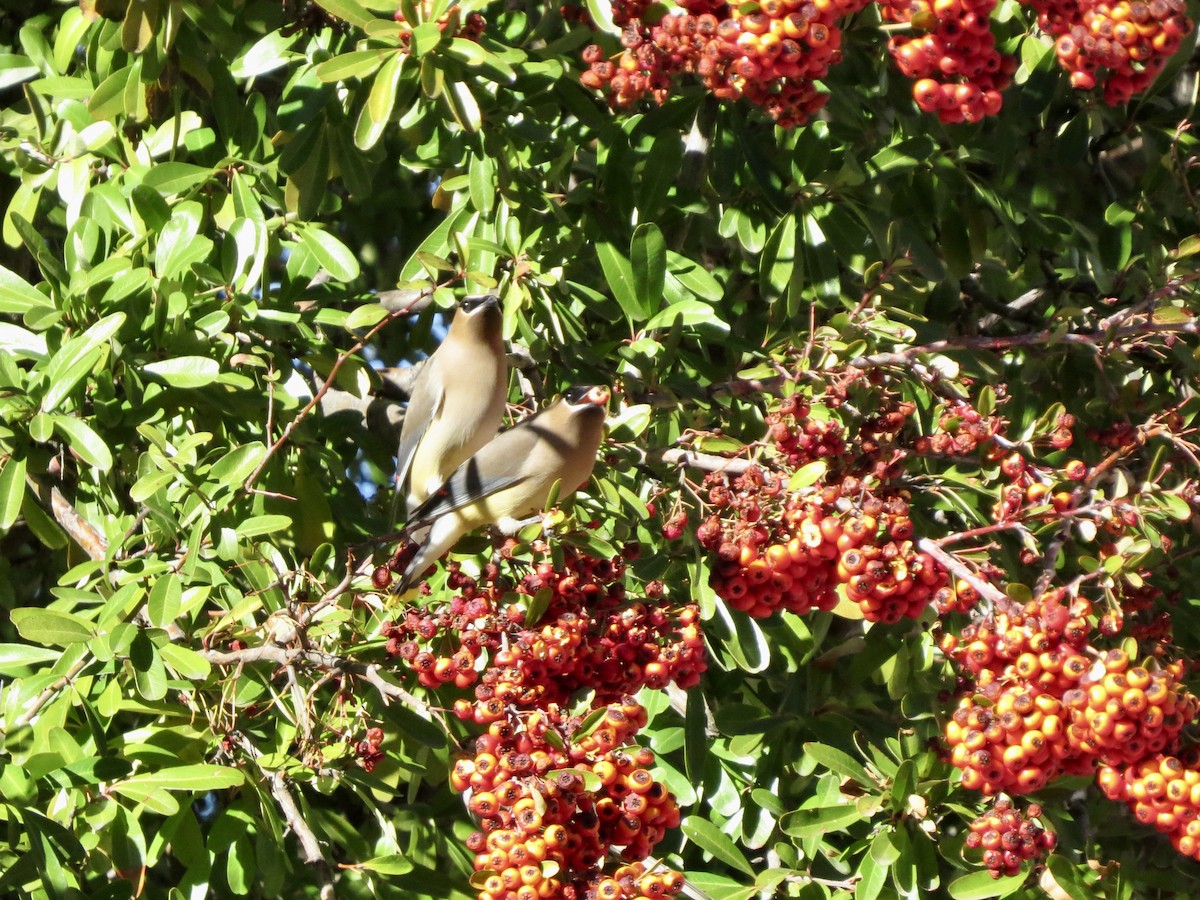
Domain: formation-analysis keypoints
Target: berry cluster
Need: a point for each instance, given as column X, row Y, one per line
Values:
column 1009, row 837
column 961, row 430
column 1163, row 791
column 957, row 70
column 770, row 55
column 798, row 438
column 1130, row 712
column 368, row 750
column 773, row 53
column 1123, row 44
column 1041, row 701
column 590, row 637
column 451, row 23
column 546, row 787
column 791, row 551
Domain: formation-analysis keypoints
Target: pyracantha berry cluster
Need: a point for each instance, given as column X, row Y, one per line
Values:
column 547, row 785
column 1009, row 837
column 958, row 73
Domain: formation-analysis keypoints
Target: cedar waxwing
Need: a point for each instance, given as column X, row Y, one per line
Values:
column 512, row 477
column 457, row 402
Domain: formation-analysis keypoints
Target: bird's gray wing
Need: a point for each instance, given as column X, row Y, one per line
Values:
column 508, row 459
column 425, row 404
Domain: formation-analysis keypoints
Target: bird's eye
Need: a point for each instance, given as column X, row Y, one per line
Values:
column 470, row 304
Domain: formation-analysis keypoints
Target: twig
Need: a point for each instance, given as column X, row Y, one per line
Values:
column 92, row 542
column 309, row 845
column 1089, row 340
column 46, row 696
column 392, row 316
column 705, row 462
column 951, row 564
column 979, row 532
column 287, row 656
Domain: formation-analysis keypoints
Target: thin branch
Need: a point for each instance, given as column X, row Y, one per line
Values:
column 705, row 462
column 399, row 313
column 310, row 847
column 46, row 696
column 90, row 540
column 951, row 564
column 1090, row 340
column 287, row 656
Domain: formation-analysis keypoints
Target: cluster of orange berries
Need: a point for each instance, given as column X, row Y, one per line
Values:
column 957, row 69
column 1122, row 44
column 961, row 430
column 452, row 22
column 1040, row 701
column 552, row 794
column 778, row 551
column 798, row 438
column 770, row 55
column 1009, row 837
column 1163, row 791
column 1039, row 706
column 590, row 636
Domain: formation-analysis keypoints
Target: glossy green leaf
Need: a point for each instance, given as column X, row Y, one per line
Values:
column 713, row 840
column 80, row 439
column 50, row 626
column 185, row 372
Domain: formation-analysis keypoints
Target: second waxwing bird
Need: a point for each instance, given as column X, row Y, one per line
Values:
column 457, row 403
column 512, row 477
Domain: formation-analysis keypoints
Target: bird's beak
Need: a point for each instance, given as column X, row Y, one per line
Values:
column 598, row 396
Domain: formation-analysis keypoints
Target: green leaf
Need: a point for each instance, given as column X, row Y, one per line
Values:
column 149, row 673
column 179, row 243
column 185, row 663
column 335, row 257
column 629, row 424
column 708, row 837
column 17, row 296
column 392, row 864
column 15, row 658
column 1063, row 873
column 176, row 177
column 351, row 11
column 12, row 491
column 355, row 64
column 815, row 821
column 619, row 275
column 165, row 599
column 84, row 442
column 377, row 111
column 807, row 475
column 601, row 13
column 198, row 777
column 184, row 372
column 267, row 54
column 686, row 313
column 260, row 525
column 648, row 260
column 982, row 886
column 75, row 359
column 840, row 763
column 51, row 626
column 15, row 68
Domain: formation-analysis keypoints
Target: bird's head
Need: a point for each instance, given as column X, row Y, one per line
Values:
column 582, row 396
column 478, row 304
column 479, row 316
